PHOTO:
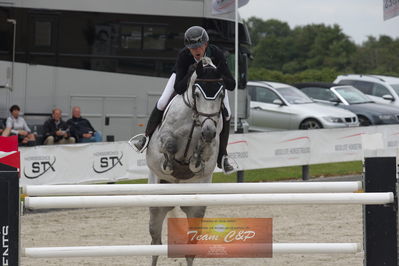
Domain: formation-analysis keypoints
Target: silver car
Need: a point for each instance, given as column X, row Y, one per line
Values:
column 280, row 106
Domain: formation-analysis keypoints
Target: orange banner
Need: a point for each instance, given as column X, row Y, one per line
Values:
column 220, row 237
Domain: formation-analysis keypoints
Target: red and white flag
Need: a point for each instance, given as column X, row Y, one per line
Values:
column 9, row 154
column 226, row 6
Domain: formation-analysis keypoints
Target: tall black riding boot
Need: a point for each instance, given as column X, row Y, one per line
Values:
column 153, row 122
column 223, row 162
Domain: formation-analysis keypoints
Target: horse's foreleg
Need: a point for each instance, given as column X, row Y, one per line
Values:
column 157, row 216
column 193, row 212
column 196, row 161
column 167, row 164
column 169, row 149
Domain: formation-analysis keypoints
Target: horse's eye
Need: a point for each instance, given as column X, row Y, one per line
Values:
column 197, row 94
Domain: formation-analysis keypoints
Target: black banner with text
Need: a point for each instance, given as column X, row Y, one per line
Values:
column 9, row 217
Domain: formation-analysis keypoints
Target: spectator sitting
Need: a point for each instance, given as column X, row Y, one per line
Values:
column 56, row 130
column 3, row 130
column 16, row 125
column 2, row 126
column 81, row 128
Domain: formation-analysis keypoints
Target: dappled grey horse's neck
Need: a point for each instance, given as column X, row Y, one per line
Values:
column 188, row 98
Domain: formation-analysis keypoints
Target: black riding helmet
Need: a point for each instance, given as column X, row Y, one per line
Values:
column 195, row 36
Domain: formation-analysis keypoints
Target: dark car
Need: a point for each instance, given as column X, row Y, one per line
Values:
column 350, row 98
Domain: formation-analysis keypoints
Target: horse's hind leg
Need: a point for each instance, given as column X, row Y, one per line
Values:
column 193, row 212
column 157, row 216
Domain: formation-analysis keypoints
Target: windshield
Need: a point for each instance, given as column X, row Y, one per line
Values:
column 294, row 96
column 352, row 95
column 395, row 88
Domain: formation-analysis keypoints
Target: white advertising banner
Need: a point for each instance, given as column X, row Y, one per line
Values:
column 391, row 8
column 226, row 6
column 107, row 162
column 80, row 163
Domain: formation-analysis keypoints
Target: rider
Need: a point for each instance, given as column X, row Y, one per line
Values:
column 196, row 46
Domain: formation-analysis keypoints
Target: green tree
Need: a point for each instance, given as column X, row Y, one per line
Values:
column 377, row 56
column 260, row 29
column 277, row 47
column 321, row 46
column 315, row 52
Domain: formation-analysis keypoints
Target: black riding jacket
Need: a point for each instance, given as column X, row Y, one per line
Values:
column 50, row 128
column 80, row 126
column 183, row 70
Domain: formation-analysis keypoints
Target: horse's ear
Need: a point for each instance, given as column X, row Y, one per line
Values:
column 200, row 69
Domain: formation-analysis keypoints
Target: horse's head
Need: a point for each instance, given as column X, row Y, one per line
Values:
column 206, row 95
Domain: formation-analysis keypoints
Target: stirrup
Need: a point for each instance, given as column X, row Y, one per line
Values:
column 132, row 141
column 233, row 164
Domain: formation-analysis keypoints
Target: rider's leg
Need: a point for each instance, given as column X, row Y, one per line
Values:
column 156, row 114
column 167, row 93
column 223, row 160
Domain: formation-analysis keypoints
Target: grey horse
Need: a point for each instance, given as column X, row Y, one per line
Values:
column 184, row 148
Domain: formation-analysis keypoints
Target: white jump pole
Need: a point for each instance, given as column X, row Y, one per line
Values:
column 190, row 188
column 206, row 200
column 162, row 250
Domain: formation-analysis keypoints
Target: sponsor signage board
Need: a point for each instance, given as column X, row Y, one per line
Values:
column 111, row 162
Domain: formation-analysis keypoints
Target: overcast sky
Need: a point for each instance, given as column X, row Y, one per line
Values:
column 357, row 18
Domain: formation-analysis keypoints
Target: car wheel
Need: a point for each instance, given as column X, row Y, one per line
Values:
column 363, row 121
column 310, row 124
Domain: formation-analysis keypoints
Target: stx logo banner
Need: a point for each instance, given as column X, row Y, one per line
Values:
column 38, row 166
column 106, row 161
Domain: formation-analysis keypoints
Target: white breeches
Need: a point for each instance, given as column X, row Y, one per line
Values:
column 167, row 93
column 169, row 89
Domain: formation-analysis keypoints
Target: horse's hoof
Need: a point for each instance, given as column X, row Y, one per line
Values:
column 196, row 167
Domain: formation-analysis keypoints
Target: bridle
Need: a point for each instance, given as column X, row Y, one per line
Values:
column 193, row 106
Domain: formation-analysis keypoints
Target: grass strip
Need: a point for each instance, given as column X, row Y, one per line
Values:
column 283, row 173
